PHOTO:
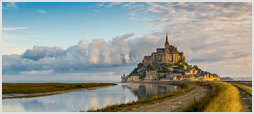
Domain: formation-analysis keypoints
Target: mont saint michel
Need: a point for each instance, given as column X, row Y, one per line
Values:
column 167, row 64
column 126, row 56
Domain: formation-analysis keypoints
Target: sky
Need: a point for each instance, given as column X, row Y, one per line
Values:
column 50, row 38
column 63, row 24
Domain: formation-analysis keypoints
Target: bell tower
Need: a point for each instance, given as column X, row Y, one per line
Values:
column 166, row 42
column 167, row 55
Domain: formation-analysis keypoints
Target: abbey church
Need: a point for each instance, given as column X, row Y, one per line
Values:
column 169, row 54
column 167, row 64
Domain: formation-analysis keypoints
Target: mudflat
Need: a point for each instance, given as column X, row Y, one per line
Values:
column 16, row 90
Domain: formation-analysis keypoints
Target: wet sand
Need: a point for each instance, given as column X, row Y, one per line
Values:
column 14, row 95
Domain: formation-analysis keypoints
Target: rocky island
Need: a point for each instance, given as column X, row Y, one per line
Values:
column 167, row 64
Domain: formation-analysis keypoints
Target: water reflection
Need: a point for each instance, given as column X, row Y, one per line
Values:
column 84, row 100
column 146, row 90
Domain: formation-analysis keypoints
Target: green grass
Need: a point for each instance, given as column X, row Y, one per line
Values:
column 31, row 88
column 117, row 107
column 244, row 88
column 223, row 97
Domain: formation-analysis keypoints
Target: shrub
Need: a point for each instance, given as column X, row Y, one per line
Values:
column 151, row 67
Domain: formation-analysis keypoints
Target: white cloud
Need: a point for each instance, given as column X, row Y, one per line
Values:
column 42, row 11
column 111, row 4
column 15, row 107
column 35, row 72
column 215, row 36
column 14, row 28
column 9, row 48
column 84, row 55
column 10, row 5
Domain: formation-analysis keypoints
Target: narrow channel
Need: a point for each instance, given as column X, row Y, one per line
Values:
column 91, row 99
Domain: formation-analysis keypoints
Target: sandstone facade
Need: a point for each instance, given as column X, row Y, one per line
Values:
column 151, row 75
column 169, row 54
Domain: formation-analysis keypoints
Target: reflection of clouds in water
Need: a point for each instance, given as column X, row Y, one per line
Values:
column 44, row 104
column 13, row 107
column 149, row 89
column 79, row 100
column 48, row 101
column 60, row 102
column 107, row 100
column 94, row 102
column 126, row 100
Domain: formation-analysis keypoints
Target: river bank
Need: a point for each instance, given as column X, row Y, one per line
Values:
column 157, row 103
column 90, row 99
column 23, row 90
column 223, row 97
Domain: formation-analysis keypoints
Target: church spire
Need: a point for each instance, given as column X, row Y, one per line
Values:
column 166, row 37
column 166, row 42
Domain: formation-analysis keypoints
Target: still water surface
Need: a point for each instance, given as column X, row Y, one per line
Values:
column 90, row 99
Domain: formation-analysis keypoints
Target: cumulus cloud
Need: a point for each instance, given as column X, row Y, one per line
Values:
column 215, row 36
column 86, row 55
column 78, row 57
column 43, row 52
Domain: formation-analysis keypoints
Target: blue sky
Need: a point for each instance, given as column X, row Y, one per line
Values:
column 64, row 24
column 47, row 38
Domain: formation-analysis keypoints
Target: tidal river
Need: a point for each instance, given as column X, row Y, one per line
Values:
column 89, row 99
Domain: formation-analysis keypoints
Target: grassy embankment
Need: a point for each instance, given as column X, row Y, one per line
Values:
column 244, row 88
column 223, row 97
column 32, row 88
column 117, row 107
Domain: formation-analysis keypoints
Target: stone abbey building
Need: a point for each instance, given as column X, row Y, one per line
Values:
column 167, row 64
column 169, row 54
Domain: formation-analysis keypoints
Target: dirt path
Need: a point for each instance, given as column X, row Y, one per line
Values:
column 171, row 104
column 246, row 100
